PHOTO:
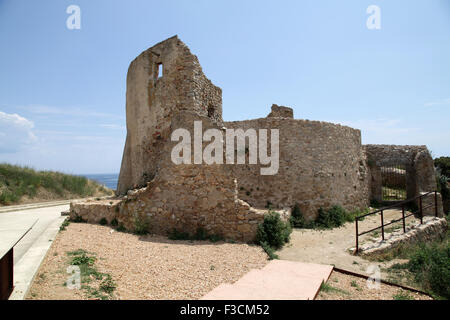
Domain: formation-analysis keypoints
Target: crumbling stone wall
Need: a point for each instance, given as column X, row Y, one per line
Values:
column 152, row 101
column 419, row 166
column 321, row 165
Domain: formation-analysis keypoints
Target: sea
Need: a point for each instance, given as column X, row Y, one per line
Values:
column 109, row 179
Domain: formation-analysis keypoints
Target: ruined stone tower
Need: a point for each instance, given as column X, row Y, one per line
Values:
column 162, row 81
column 320, row 164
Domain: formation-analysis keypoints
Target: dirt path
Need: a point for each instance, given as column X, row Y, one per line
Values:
column 332, row 246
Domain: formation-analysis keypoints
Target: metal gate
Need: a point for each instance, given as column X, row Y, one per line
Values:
column 393, row 182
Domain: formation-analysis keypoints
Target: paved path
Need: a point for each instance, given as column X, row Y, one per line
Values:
column 31, row 249
column 278, row 280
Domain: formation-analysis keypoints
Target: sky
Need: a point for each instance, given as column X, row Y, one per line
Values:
column 62, row 91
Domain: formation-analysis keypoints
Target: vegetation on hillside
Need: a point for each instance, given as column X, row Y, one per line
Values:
column 443, row 164
column 428, row 265
column 17, row 183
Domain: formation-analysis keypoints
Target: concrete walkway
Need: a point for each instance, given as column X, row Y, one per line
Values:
column 31, row 249
column 278, row 280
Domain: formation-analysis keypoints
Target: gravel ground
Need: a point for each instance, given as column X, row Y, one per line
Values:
column 347, row 287
column 332, row 246
column 145, row 267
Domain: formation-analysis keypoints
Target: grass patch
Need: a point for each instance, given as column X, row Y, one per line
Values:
column 428, row 266
column 97, row 285
column 65, row 223
column 402, row 296
column 325, row 287
column 17, row 181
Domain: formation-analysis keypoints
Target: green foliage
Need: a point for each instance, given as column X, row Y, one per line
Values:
column 65, row 223
column 428, row 264
column 325, row 287
column 82, row 259
column 78, row 219
column 402, row 296
column 273, row 231
column 141, row 225
column 269, row 250
column 16, row 181
column 179, row 235
column 375, row 204
column 331, row 218
column 201, row 234
column 114, row 222
column 297, row 220
column 431, row 266
column 335, row 217
column 85, row 261
column 121, row 228
column 103, row 221
column 443, row 164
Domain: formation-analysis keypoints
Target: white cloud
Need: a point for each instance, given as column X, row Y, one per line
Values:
column 67, row 111
column 15, row 132
column 442, row 102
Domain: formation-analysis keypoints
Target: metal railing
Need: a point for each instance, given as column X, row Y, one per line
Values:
column 401, row 204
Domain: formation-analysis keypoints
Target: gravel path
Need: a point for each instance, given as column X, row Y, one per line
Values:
column 347, row 287
column 148, row 267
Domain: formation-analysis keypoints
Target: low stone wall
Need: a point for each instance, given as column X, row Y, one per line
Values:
column 432, row 228
column 239, row 224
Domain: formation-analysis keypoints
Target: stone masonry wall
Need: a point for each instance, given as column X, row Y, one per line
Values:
column 152, row 101
column 321, row 165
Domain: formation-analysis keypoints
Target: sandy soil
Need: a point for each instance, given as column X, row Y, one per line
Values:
column 148, row 267
column 332, row 246
column 346, row 287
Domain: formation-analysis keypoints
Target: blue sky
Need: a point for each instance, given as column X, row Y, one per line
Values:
column 62, row 92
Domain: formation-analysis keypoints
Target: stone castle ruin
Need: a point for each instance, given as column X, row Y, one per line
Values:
column 320, row 164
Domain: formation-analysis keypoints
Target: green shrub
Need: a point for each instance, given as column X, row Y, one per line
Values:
column 78, row 219
column 297, row 220
column 201, row 234
column 273, row 231
column 178, row 235
column 65, row 223
column 114, row 222
column 121, row 228
column 140, row 225
column 331, row 218
column 269, row 250
column 103, row 221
